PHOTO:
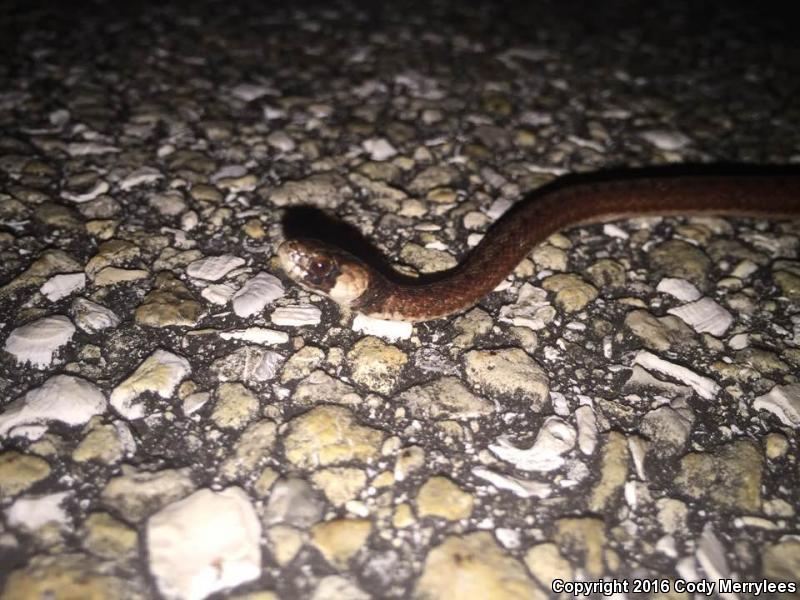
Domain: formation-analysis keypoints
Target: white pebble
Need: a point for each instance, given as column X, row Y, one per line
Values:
column 93, row 317
column 704, row 316
column 213, row 268
column 100, row 188
column 256, row 293
column 204, row 543
column 70, row 400
column 141, row 176
column 666, row 140
column 32, row 512
column 36, row 342
column 281, row 141
column 784, row 402
column 706, row 388
column 257, row 335
column 379, row 149
column 90, row 149
column 383, row 328
column 616, row 231
column 218, row 293
column 679, row 288
column 61, row 286
column 555, row 438
column 160, row 372
column 498, row 207
column 524, row 488
column 296, row 316
column 250, row 91
column 739, row 341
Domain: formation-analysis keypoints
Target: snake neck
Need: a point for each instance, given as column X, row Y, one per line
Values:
column 530, row 223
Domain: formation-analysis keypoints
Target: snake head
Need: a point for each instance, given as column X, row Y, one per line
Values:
column 325, row 269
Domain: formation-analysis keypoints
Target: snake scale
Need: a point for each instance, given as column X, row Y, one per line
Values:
column 355, row 285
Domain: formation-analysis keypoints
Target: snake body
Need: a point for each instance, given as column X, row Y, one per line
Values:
column 354, row 284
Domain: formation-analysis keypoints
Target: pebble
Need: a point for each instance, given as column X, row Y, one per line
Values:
column 340, row 539
column 704, row 387
column 337, row 587
column 284, row 543
column 547, row 564
column 50, row 262
column 92, row 317
column 170, row 303
column 587, row 429
column 668, row 429
column 256, row 293
column 613, row 471
column 214, row 268
column 31, row 513
column 474, row 566
column 664, row 139
column 139, row 177
column 524, row 488
column 328, row 435
column 218, row 293
column 376, row 365
column 427, row 260
column 248, row 92
column 298, row 315
column 61, row 286
column 72, row 575
column 294, row 502
column 531, row 309
column 161, row 372
column 98, row 189
column 207, row 542
column 248, row 364
column 114, row 275
column 658, row 333
column 704, row 316
column 784, row 402
column 379, row 149
column 679, row 288
column 441, row 497
column 445, row 397
column 554, row 439
column 607, row 273
column 235, row 407
column 110, row 538
column 318, row 384
column 323, row 190
column 19, row 472
column 572, row 293
column 585, row 537
column 302, row 363
column 63, row 398
column 136, row 494
column 508, row 371
column 37, row 342
column 340, row 484
column 680, row 260
column 257, row 335
column 433, row 177
column 383, row 328
column 728, row 478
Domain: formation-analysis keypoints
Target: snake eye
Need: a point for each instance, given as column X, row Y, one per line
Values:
column 320, row 267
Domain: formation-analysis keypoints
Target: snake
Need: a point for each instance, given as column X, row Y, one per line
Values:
column 356, row 285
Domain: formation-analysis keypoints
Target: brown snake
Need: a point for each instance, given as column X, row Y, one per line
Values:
column 357, row 286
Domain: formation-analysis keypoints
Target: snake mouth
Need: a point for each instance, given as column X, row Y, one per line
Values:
column 289, row 258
